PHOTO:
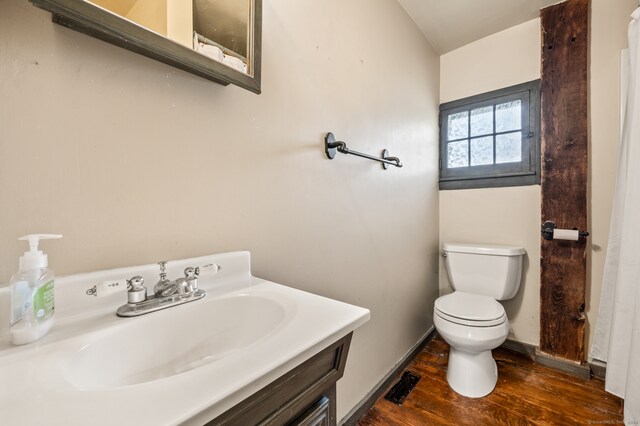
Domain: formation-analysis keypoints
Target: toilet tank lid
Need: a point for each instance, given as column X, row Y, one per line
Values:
column 492, row 250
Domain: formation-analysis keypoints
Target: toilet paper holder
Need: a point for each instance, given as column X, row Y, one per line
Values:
column 549, row 227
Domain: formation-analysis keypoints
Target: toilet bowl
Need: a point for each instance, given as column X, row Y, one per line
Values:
column 471, row 370
column 470, row 319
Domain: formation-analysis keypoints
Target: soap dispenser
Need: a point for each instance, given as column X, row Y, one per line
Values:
column 32, row 295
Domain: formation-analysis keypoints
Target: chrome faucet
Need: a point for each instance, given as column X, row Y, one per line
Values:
column 166, row 293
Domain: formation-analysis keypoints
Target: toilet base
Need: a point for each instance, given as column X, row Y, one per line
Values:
column 473, row 375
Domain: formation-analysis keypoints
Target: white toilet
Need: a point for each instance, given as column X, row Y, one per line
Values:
column 470, row 319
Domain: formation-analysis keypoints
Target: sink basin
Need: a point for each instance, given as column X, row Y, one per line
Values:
column 173, row 341
column 198, row 359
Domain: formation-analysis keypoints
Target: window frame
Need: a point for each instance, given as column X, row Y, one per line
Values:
column 525, row 172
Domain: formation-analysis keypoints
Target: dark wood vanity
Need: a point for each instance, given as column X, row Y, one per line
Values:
column 304, row 396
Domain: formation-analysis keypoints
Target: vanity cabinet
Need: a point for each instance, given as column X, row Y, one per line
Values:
column 318, row 415
column 304, row 396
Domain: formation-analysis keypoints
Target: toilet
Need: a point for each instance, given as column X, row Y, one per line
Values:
column 471, row 320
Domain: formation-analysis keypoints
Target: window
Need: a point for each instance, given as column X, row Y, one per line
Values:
column 491, row 140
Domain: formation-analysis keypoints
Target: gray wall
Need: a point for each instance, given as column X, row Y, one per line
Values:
column 134, row 161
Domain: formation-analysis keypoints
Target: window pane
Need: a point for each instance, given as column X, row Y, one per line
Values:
column 482, row 151
column 482, row 121
column 509, row 148
column 509, row 116
column 457, row 154
column 458, row 125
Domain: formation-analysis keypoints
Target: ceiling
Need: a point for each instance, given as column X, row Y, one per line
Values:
column 449, row 24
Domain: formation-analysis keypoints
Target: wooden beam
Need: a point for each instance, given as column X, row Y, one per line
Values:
column 563, row 268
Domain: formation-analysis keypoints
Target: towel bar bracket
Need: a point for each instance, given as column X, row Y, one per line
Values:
column 330, row 145
column 385, row 155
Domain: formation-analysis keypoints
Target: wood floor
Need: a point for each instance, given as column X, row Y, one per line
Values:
column 526, row 394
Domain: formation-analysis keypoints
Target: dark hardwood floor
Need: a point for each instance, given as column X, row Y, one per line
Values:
column 526, row 394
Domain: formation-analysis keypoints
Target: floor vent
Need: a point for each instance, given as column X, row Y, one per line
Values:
column 401, row 390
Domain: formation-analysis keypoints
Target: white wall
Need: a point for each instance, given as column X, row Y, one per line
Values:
column 510, row 57
column 135, row 161
column 508, row 216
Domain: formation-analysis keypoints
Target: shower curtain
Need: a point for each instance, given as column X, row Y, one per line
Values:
column 617, row 335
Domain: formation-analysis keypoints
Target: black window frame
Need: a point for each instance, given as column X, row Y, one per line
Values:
column 525, row 172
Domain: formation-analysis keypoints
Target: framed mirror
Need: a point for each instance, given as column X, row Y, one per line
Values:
column 219, row 40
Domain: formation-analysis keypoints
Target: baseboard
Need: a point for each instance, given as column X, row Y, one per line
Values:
column 598, row 369
column 521, row 347
column 583, row 370
column 370, row 399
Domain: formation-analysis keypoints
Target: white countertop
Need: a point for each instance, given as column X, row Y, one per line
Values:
column 36, row 389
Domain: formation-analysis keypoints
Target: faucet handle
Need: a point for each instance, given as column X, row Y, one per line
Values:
column 137, row 291
column 191, row 278
column 136, row 283
column 191, row 272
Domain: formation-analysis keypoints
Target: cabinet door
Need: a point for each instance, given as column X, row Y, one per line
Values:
column 301, row 390
column 318, row 415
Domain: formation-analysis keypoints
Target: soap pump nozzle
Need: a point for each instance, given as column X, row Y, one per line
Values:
column 34, row 258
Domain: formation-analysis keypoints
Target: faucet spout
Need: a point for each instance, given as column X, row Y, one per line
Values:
column 163, row 287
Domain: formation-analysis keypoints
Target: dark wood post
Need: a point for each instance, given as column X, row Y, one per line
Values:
column 563, row 267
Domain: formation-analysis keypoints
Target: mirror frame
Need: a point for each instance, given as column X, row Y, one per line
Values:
column 92, row 20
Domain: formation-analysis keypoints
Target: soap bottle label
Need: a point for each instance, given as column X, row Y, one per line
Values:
column 43, row 302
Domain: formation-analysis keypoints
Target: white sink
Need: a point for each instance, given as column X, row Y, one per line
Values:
column 171, row 342
column 183, row 365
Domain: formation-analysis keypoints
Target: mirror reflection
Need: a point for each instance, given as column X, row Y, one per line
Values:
column 218, row 29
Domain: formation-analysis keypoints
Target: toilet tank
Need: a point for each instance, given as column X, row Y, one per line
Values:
column 486, row 270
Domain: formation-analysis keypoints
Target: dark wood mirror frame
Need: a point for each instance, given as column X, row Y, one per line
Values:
column 89, row 19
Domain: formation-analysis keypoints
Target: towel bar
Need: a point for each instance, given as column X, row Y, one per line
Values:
column 331, row 146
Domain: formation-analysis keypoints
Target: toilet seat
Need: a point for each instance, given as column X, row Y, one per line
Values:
column 471, row 310
column 471, row 323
